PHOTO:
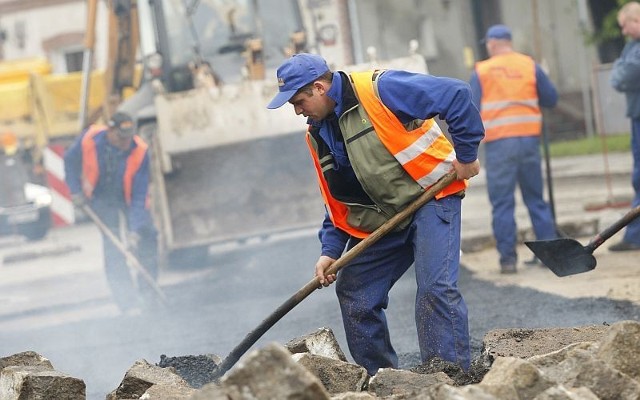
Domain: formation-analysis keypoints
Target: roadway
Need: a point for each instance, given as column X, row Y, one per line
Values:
column 56, row 301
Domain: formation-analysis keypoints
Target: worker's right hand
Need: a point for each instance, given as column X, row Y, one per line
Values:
column 78, row 199
column 323, row 263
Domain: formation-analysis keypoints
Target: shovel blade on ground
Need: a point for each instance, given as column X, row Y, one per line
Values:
column 563, row 256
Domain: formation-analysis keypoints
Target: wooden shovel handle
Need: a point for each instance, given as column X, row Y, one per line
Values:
column 132, row 261
column 253, row 336
column 600, row 238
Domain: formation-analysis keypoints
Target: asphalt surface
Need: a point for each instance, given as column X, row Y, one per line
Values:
column 59, row 306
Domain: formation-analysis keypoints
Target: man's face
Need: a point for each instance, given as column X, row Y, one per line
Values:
column 313, row 103
column 118, row 140
column 630, row 26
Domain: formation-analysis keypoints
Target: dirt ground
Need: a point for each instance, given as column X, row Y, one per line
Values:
column 616, row 276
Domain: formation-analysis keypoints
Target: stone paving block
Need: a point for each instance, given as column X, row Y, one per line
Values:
column 141, row 376
column 322, row 342
column 390, row 382
column 39, row 382
column 522, row 375
column 336, row 376
column 271, row 373
column 620, row 348
column 25, row 358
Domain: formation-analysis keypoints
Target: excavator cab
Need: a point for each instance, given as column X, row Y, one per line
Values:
column 232, row 39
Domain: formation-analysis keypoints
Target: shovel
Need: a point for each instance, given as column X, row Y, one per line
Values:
column 132, row 261
column 253, row 336
column 568, row 257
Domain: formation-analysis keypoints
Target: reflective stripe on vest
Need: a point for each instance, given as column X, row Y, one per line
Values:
column 91, row 169
column 425, row 153
column 509, row 105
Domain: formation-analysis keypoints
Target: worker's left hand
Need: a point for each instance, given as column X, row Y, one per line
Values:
column 466, row 171
column 133, row 240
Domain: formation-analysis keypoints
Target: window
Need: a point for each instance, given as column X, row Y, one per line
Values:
column 73, row 60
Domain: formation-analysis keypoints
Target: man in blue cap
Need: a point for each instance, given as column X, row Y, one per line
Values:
column 509, row 88
column 375, row 148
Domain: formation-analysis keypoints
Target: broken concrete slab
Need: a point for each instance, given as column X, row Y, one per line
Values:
column 620, row 348
column 522, row 375
column 526, row 343
column 322, row 342
column 271, row 373
column 581, row 368
column 393, row 382
column 336, row 376
column 39, row 382
column 141, row 376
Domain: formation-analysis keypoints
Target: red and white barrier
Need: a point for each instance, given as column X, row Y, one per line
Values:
column 62, row 209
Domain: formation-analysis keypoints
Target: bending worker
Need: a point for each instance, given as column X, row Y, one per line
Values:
column 376, row 148
column 509, row 88
column 107, row 168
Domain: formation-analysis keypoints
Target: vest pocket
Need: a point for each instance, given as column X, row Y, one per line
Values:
column 369, row 218
column 365, row 218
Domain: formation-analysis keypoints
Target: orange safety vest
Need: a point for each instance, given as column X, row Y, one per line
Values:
column 424, row 152
column 509, row 105
column 91, row 170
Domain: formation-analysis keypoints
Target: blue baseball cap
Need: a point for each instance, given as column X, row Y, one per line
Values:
column 498, row 32
column 296, row 72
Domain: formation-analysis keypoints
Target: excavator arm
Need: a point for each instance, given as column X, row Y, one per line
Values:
column 120, row 72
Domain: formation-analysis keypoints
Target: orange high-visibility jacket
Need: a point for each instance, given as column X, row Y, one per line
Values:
column 91, row 170
column 509, row 105
column 423, row 153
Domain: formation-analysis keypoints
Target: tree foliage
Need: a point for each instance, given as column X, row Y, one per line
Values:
column 610, row 29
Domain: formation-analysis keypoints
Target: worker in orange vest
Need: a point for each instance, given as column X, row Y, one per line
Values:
column 107, row 168
column 376, row 148
column 509, row 88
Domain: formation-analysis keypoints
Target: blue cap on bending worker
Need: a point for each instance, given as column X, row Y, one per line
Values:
column 296, row 72
column 499, row 31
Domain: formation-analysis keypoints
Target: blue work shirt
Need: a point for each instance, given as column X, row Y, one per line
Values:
column 109, row 190
column 409, row 96
column 547, row 93
column 625, row 77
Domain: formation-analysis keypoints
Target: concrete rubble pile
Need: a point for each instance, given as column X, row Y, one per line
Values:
column 591, row 362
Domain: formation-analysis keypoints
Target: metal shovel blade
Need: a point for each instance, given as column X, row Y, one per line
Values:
column 563, row 256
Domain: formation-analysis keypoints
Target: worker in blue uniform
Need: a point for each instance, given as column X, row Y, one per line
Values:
column 107, row 168
column 376, row 147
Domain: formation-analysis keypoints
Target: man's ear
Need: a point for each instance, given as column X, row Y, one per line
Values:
column 321, row 86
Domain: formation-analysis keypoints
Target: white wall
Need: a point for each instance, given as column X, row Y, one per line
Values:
column 41, row 24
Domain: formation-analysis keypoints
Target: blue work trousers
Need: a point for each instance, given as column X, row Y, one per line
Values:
column 432, row 244
column 632, row 233
column 126, row 294
column 510, row 162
